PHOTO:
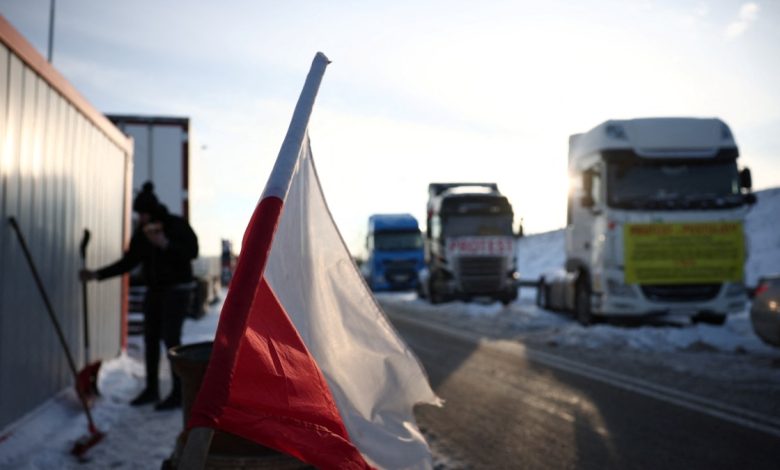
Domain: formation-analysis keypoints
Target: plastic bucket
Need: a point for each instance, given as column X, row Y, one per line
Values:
column 227, row 451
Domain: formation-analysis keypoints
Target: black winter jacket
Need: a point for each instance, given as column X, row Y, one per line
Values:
column 160, row 268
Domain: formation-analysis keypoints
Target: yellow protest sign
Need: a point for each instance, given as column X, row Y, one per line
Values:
column 684, row 253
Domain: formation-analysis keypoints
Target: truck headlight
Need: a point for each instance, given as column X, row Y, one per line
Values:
column 618, row 289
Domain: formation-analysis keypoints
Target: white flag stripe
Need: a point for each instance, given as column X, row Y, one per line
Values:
column 374, row 377
column 279, row 181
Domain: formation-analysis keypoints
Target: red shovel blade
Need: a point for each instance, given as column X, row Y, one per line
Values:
column 86, row 381
column 81, row 446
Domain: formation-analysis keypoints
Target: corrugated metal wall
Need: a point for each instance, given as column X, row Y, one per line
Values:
column 60, row 172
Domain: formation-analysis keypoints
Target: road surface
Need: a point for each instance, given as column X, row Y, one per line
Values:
column 511, row 406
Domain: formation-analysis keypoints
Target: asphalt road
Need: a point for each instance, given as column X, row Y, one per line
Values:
column 508, row 406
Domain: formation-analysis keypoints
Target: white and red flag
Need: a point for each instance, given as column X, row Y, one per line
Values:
column 304, row 360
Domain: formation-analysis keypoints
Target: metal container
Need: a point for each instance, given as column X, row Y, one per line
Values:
column 63, row 168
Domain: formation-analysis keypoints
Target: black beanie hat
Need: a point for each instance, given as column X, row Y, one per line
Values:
column 146, row 201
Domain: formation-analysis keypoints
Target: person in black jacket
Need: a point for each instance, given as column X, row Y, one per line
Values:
column 165, row 245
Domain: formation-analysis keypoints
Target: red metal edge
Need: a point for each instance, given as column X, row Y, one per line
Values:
column 126, row 233
column 33, row 59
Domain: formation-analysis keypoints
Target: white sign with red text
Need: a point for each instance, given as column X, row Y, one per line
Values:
column 480, row 246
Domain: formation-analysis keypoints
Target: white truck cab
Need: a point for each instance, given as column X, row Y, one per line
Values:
column 654, row 222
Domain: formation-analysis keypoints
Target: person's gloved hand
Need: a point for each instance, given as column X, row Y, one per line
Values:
column 87, row 275
column 155, row 234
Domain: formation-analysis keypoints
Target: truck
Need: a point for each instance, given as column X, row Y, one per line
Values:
column 469, row 244
column 655, row 223
column 162, row 147
column 394, row 252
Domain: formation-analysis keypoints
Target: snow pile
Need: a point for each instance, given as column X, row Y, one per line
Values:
column 763, row 237
column 539, row 254
column 525, row 321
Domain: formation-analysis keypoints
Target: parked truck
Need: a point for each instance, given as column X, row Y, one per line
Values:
column 469, row 244
column 394, row 252
column 162, row 147
column 654, row 223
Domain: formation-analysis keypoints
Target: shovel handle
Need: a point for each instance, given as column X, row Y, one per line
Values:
column 84, row 243
column 84, row 295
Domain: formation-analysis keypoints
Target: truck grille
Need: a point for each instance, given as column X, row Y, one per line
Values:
column 681, row 293
column 402, row 264
column 401, row 273
column 481, row 274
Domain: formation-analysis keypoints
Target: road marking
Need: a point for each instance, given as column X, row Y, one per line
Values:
column 733, row 414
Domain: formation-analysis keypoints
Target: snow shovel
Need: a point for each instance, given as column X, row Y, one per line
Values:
column 94, row 436
column 86, row 381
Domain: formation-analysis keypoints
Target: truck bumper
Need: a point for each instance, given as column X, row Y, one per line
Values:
column 398, row 283
column 631, row 300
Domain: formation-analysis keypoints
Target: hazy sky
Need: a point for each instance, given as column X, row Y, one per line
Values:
column 418, row 91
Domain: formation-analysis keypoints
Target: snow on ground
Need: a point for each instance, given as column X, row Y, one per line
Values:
column 135, row 437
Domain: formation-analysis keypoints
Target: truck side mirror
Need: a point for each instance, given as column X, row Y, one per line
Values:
column 586, row 200
column 745, row 179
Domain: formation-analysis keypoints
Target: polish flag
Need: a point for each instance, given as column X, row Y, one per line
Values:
column 304, row 360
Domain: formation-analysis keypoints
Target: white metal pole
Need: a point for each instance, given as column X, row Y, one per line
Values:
column 51, row 31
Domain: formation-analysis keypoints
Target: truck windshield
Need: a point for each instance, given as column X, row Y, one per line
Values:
column 397, row 241
column 478, row 225
column 673, row 185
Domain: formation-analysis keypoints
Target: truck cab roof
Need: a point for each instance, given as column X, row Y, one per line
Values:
column 388, row 222
column 661, row 138
column 467, row 197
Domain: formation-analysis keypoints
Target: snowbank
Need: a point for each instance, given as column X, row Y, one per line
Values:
column 763, row 236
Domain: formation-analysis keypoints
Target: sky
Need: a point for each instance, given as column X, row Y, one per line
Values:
column 418, row 91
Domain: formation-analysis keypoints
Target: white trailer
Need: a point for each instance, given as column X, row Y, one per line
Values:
column 654, row 222
column 162, row 156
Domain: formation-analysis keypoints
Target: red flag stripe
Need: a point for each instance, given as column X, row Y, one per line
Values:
column 255, row 249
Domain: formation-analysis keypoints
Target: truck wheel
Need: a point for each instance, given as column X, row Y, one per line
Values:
column 710, row 318
column 541, row 294
column 582, row 304
column 508, row 298
column 420, row 291
column 433, row 294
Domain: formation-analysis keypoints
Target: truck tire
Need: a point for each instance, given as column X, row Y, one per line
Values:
column 541, row 294
column 508, row 297
column 434, row 295
column 582, row 310
column 710, row 318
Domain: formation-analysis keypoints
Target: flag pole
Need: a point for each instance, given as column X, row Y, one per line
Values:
column 281, row 174
column 196, row 448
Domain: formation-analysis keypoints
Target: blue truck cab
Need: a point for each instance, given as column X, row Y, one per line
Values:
column 395, row 252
